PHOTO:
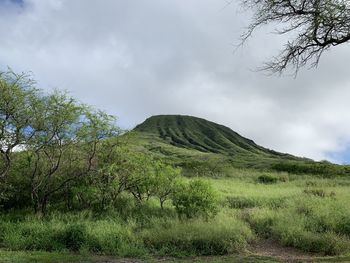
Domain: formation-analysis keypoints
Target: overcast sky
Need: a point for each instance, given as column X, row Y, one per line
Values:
column 137, row 58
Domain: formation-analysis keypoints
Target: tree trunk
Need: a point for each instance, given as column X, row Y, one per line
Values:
column 44, row 205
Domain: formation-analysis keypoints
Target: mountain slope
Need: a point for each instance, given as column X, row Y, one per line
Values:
column 205, row 148
column 202, row 135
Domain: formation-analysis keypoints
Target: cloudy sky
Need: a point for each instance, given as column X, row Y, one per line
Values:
column 137, row 58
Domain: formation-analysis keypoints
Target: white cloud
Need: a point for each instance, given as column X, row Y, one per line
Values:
column 140, row 58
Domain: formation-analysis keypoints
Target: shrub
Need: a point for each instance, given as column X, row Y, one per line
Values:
column 196, row 198
column 267, row 179
column 73, row 237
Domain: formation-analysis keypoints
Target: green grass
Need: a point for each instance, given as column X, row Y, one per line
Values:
column 224, row 234
column 54, row 257
column 311, row 214
column 41, row 256
column 72, row 233
column 291, row 211
column 50, row 257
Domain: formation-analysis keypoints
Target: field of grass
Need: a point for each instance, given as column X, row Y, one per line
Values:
column 309, row 213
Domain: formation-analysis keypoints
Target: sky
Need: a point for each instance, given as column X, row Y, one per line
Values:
column 135, row 59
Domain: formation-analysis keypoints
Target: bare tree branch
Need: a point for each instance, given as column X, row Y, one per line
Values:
column 317, row 24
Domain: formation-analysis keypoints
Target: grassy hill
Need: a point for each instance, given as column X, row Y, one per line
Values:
column 204, row 147
column 202, row 135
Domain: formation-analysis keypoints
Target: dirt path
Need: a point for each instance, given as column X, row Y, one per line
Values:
column 271, row 248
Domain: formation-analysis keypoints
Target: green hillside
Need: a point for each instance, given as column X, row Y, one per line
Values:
column 202, row 146
column 202, row 135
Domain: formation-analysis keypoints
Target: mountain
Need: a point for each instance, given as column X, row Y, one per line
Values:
column 200, row 145
column 202, row 135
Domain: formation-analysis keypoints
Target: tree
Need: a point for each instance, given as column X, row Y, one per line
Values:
column 166, row 181
column 53, row 145
column 316, row 25
column 18, row 101
column 66, row 146
column 141, row 177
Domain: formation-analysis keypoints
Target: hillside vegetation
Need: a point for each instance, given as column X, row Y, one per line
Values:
column 203, row 147
column 179, row 186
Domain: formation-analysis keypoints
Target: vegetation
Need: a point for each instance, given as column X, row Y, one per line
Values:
column 72, row 181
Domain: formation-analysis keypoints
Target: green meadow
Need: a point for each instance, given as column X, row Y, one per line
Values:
column 74, row 187
column 306, row 212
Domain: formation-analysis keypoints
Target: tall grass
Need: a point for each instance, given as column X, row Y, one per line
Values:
column 71, row 233
column 222, row 235
column 306, row 212
column 311, row 223
column 83, row 232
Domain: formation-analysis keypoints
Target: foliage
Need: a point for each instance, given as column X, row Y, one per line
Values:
column 221, row 235
column 71, row 181
column 320, row 168
column 196, row 198
column 267, row 179
column 73, row 237
column 307, row 224
column 18, row 111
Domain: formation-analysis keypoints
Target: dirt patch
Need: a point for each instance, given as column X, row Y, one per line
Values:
column 271, row 248
column 120, row 260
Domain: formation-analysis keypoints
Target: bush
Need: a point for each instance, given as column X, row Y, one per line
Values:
column 73, row 237
column 196, row 198
column 267, row 179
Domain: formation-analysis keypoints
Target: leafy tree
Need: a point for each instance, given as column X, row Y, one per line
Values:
column 316, row 25
column 195, row 198
column 18, row 111
column 57, row 140
column 66, row 147
column 104, row 185
column 166, row 181
column 53, row 147
column 141, row 176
